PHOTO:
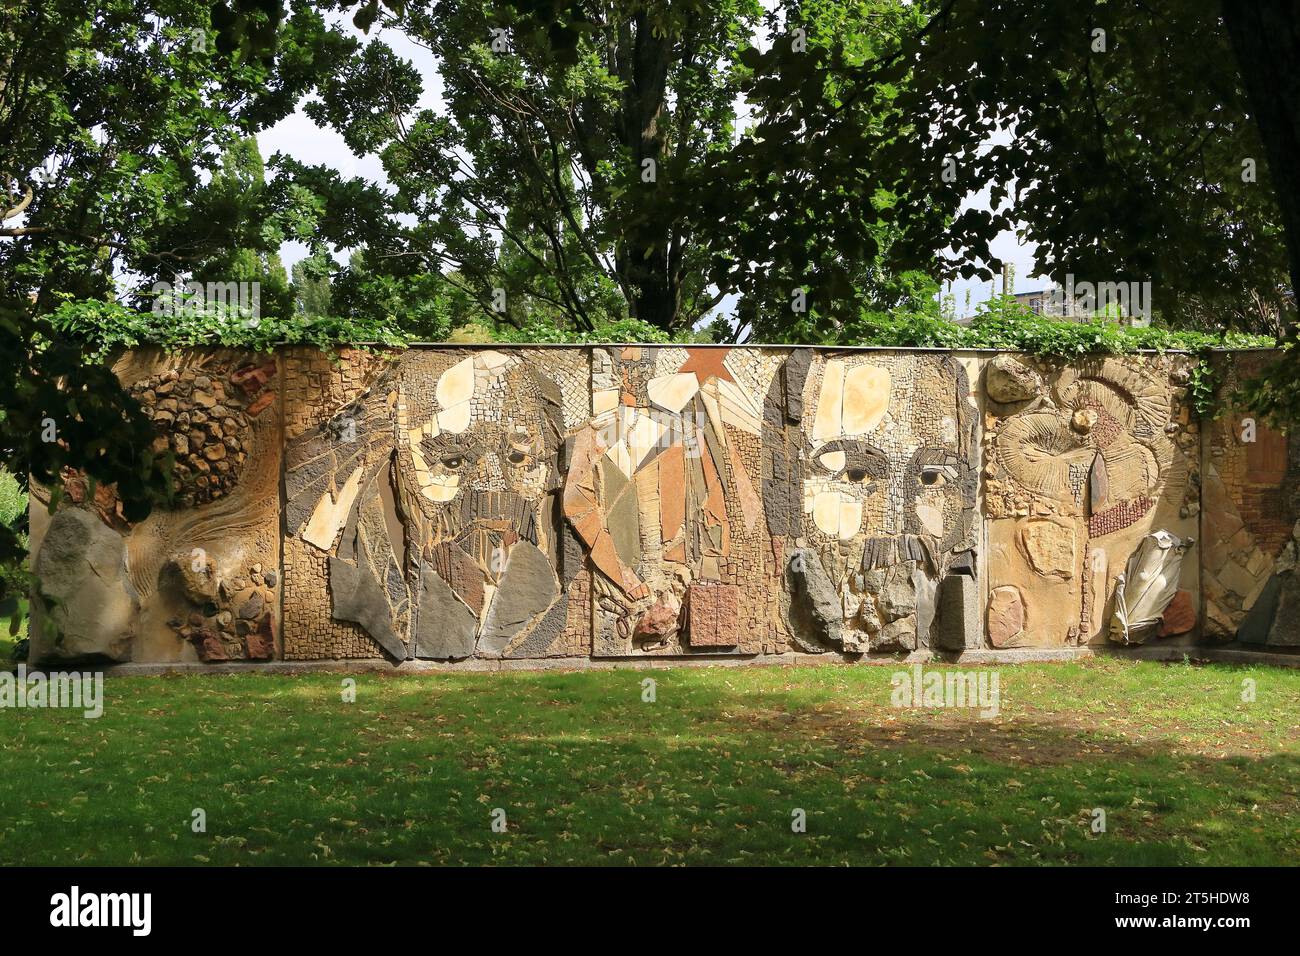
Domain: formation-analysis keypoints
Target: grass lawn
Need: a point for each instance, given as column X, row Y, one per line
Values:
column 1186, row 772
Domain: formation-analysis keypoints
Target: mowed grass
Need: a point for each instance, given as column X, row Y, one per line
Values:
column 709, row 773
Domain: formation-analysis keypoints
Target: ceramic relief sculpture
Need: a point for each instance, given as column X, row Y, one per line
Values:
column 664, row 492
column 431, row 502
column 869, row 484
column 1083, row 460
column 628, row 502
column 198, row 580
column 1146, row 587
column 1251, row 519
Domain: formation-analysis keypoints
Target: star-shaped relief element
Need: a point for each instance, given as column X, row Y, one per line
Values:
column 707, row 364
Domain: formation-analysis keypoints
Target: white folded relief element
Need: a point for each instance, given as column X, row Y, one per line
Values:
column 1146, row 586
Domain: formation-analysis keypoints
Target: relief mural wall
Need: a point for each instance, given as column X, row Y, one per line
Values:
column 1251, row 522
column 625, row 502
column 198, row 580
column 1084, row 462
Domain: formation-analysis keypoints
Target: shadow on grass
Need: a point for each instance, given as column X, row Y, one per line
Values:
column 715, row 770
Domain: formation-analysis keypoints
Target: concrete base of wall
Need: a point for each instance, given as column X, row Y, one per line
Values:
column 1228, row 654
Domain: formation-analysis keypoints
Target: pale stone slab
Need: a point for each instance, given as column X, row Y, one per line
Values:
column 492, row 360
column 604, row 400
column 850, row 520
column 833, row 461
column 330, row 514
column 738, row 407
column 455, row 385
column 830, row 404
column 643, row 436
column 672, row 392
column 866, row 398
column 455, row 419
column 711, row 408
column 826, row 512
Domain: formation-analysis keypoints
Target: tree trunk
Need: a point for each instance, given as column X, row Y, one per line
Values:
column 1265, row 36
column 643, row 256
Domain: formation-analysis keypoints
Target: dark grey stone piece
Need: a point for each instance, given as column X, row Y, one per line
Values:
column 956, row 624
column 359, row 598
column 528, row 587
column 963, row 562
column 83, row 600
column 795, row 373
column 924, row 589
column 814, row 605
column 879, row 553
column 445, row 624
column 1285, row 631
column 572, row 554
column 1258, row 622
column 546, row 632
column 252, row 608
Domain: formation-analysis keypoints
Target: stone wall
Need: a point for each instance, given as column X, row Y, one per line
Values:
column 1251, row 492
column 637, row 501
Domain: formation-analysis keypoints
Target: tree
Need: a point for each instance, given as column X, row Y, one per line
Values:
column 591, row 164
column 244, row 232
column 312, row 292
column 111, row 115
column 1265, row 35
column 1136, row 151
column 424, row 305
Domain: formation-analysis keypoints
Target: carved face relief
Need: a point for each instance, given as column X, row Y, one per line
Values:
column 847, row 481
column 884, row 451
column 934, row 495
column 482, row 438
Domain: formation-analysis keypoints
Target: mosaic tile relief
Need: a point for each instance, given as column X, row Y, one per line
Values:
column 1251, row 526
column 667, row 501
column 1082, row 463
column 873, row 462
column 199, row 581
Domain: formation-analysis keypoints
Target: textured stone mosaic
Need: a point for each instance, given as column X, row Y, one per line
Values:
column 871, row 461
column 670, row 501
column 1251, row 525
column 1083, row 461
column 198, row 581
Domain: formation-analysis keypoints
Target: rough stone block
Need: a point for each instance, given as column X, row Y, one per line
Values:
column 956, row 623
column 713, row 615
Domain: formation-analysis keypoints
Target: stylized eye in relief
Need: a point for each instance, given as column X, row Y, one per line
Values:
column 937, row 475
column 517, row 449
column 451, row 457
column 935, row 467
column 847, row 459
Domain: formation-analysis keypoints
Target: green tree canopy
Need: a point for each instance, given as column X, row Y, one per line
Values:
column 601, row 161
column 1135, row 152
column 113, row 116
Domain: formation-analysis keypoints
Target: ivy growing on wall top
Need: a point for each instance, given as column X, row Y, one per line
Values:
column 107, row 326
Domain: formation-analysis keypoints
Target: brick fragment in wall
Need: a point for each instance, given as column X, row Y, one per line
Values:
column 712, row 615
column 1119, row 517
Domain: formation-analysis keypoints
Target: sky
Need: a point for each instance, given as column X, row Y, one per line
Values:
column 297, row 136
